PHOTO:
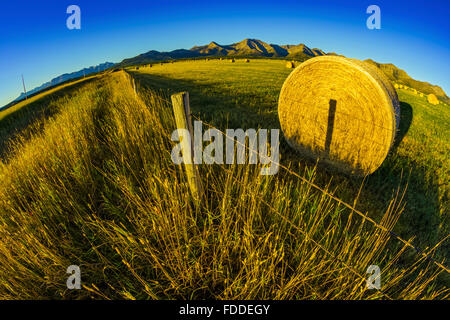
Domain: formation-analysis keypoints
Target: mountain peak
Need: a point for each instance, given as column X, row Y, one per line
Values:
column 213, row 44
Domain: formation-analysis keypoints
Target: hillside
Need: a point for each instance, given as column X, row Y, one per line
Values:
column 400, row 76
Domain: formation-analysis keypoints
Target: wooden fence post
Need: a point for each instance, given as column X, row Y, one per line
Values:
column 182, row 111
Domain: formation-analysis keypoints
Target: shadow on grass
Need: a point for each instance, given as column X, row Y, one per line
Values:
column 421, row 218
column 406, row 116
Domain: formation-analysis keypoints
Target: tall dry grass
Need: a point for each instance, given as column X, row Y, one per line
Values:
column 97, row 188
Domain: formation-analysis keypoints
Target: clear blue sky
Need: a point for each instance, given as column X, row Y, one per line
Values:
column 34, row 40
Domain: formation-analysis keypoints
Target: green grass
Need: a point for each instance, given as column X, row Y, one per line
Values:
column 95, row 186
column 244, row 95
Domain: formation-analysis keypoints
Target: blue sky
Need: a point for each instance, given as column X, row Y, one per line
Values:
column 35, row 42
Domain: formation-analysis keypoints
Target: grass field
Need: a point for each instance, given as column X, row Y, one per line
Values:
column 93, row 185
column 241, row 95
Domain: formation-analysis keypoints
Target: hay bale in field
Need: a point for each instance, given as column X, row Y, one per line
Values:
column 247, row 60
column 421, row 94
column 290, row 65
column 232, row 60
column 432, row 99
column 341, row 111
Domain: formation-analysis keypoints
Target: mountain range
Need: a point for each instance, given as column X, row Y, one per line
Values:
column 247, row 47
column 244, row 48
column 67, row 76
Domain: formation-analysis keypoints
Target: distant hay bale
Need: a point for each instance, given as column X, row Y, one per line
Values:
column 421, row 94
column 432, row 99
column 247, row 60
column 232, row 60
column 341, row 111
column 290, row 65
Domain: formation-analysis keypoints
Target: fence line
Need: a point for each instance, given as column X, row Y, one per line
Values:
column 348, row 206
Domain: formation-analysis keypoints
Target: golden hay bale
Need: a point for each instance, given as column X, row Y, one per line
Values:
column 290, row 65
column 247, row 60
column 341, row 111
column 421, row 94
column 232, row 60
column 432, row 99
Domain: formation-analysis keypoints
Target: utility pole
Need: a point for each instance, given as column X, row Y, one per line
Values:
column 24, row 90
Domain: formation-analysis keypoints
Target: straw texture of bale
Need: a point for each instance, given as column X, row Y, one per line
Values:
column 432, row 99
column 290, row 65
column 341, row 111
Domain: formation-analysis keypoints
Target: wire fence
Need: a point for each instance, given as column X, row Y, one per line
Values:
column 394, row 235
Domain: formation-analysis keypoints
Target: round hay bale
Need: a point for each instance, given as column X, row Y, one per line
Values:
column 432, row 99
column 341, row 111
column 247, row 60
column 232, row 60
column 290, row 65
